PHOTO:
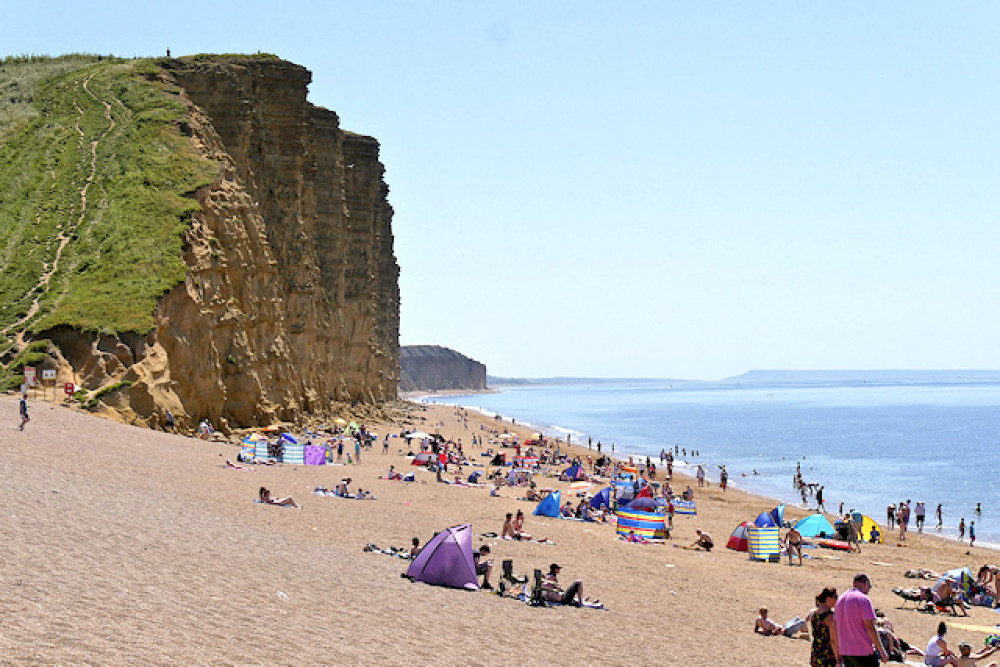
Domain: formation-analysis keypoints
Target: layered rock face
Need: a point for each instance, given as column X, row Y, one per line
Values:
column 435, row 368
column 291, row 299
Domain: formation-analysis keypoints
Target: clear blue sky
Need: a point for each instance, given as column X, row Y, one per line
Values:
column 650, row 189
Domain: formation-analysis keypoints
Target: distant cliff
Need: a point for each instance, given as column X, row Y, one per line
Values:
column 435, row 368
column 282, row 290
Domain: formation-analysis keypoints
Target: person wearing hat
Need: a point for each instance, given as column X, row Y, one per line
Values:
column 857, row 638
column 967, row 659
column 553, row 592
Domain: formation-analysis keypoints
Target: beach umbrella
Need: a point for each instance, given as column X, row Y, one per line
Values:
column 507, row 436
column 341, row 421
column 288, row 437
column 643, row 503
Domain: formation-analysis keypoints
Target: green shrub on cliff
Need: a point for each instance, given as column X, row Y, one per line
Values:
column 95, row 189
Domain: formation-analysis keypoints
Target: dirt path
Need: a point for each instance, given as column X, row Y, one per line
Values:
column 66, row 234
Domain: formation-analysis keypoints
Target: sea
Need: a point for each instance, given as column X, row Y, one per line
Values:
column 871, row 438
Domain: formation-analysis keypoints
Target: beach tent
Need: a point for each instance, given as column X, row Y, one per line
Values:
column 815, row 525
column 602, row 499
column 645, row 492
column 764, row 543
column 446, row 560
column 773, row 518
column 574, row 472
column 549, row 505
column 579, row 487
column 867, row 524
column 645, row 524
column 740, row 539
column 685, row 507
column 499, row 460
column 422, row 459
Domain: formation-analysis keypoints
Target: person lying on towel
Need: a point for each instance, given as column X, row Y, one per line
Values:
column 267, row 498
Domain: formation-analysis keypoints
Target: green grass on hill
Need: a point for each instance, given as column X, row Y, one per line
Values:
column 124, row 251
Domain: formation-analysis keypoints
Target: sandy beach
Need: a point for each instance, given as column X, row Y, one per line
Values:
column 125, row 545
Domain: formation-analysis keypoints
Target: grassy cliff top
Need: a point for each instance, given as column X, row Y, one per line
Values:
column 96, row 185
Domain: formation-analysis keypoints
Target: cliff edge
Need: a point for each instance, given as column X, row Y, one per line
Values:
column 287, row 299
column 436, row 368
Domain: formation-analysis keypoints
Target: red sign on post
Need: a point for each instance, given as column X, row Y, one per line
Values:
column 69, row 388
column 29, row 376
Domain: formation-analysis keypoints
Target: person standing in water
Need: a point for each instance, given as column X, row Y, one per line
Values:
column 940, row 522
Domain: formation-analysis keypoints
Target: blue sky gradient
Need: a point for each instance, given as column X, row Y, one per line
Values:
column 649, row 189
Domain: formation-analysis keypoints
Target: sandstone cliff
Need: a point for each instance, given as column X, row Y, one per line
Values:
column 435, row 368
column 291, row 298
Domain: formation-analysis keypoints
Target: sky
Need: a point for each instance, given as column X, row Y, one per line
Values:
column 649, row 189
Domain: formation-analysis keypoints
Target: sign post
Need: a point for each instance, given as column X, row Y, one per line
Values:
column 48, row 380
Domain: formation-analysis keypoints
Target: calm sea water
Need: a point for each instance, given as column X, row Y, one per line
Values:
column 871, row 440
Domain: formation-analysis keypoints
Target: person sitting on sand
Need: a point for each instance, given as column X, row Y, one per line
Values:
column 967, row 659
column 895, row 648
column 265, row 497
column 230, row 464
column 393, row 474
column 766, row 626
column 508, row 532
column 343, row 489
column 415, row 548
column 567, row 511
column 484, row 567
column 704, row 541
column 937, row 652
column 553, row 592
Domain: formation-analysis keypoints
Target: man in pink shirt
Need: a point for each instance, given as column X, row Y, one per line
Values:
column 857, row 639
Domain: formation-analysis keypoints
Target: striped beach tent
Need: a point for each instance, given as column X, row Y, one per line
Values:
column 650, row 525
column 764, row 543
column 685, row 507
column 248, row 449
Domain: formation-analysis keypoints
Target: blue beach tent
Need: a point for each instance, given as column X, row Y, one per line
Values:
column 774, row 518
column 574, row 472
column 602, row 499
column 549, row 505
column 815, row 525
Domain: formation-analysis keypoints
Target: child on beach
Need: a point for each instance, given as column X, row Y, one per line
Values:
column 972, row 533
column 23, row 408
column 967, row 659
column 765, row 626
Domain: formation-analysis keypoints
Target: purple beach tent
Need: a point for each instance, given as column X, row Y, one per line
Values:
column 446, row 560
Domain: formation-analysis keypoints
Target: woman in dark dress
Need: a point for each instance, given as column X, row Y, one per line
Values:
column 824, row 630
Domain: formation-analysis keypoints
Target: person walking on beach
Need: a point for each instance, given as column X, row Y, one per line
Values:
column 921, row 517
column 819, row 500
column 972, row 533
column 701, row 476
column 23, row 407
column 940, row 522
column 961, row 530
column 890, row 515
column 857, row 638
